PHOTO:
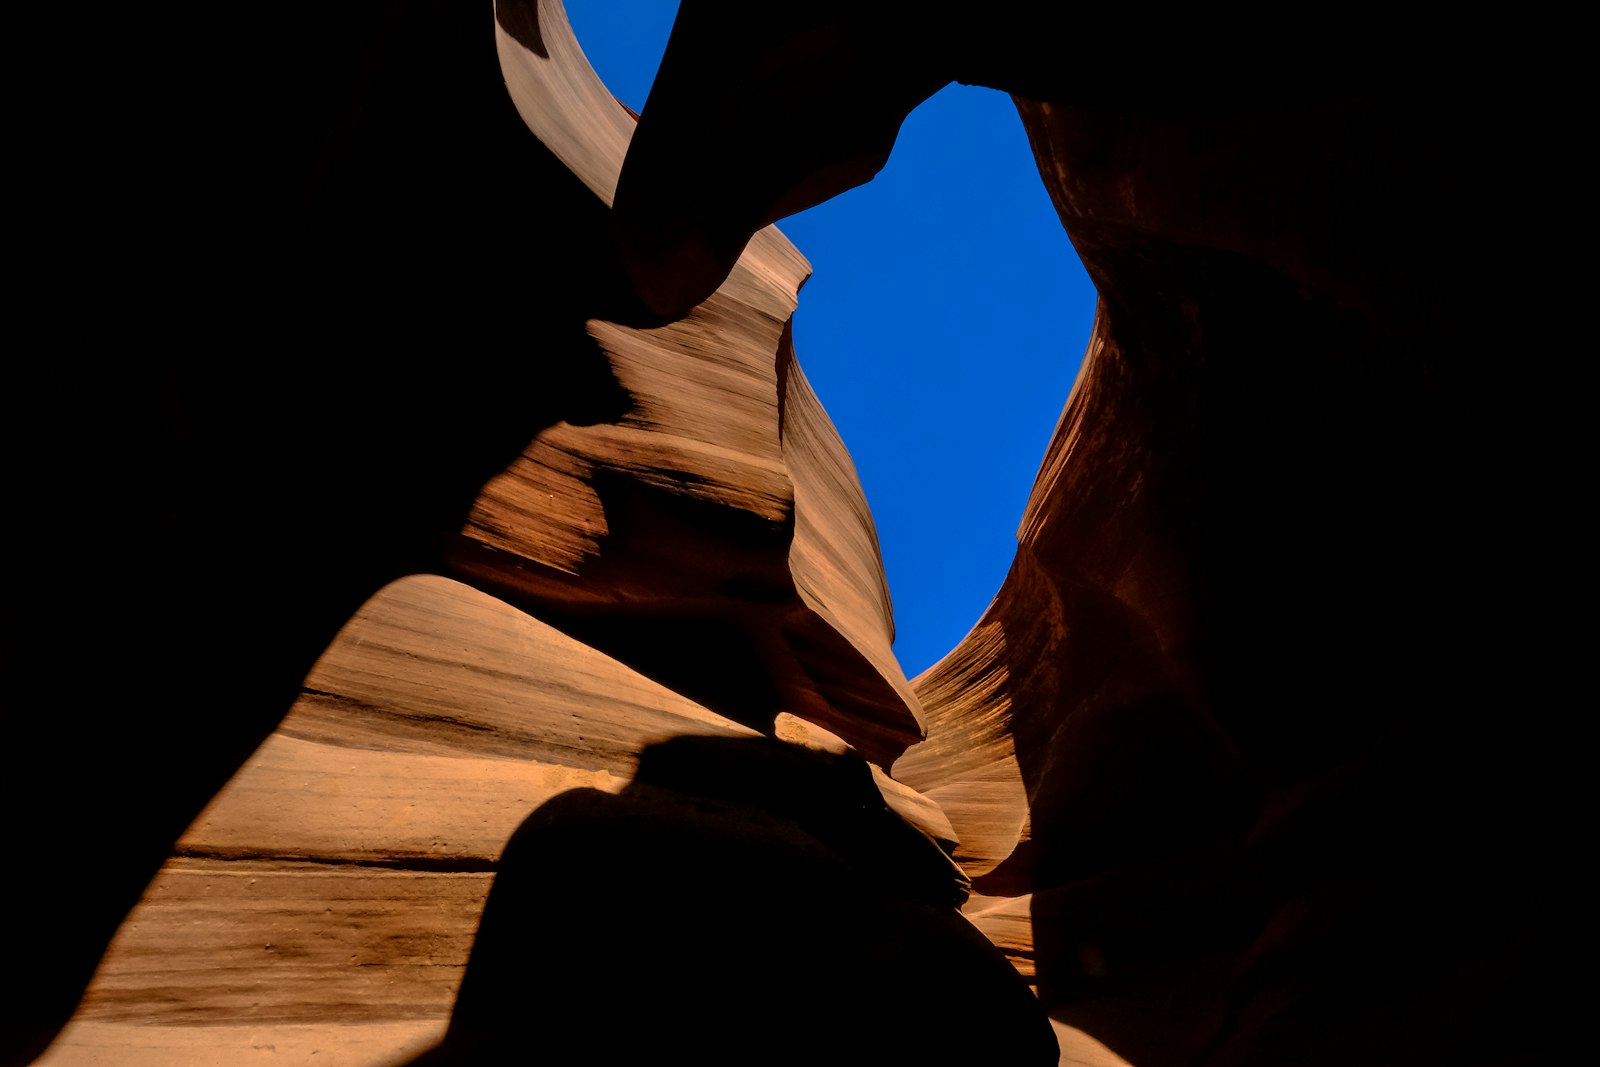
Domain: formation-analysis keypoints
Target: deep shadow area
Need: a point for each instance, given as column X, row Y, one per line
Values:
column 296, row 284
column 1286, row 673
column 740, row 901
column 1320, row 483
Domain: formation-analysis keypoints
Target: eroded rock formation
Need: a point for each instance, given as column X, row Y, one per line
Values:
column 370, row 537
column 1227, row 729
column 669, row 492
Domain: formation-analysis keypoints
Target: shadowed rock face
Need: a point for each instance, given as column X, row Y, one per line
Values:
column 311, row 309
column 721, row 511
column 843, row 941
column 258, row 323
column 1252, row 761
column 1230, row 719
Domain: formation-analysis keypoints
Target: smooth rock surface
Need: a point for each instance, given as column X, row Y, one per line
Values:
column 1229, row 726
column 1262, row 755
column 295, row 336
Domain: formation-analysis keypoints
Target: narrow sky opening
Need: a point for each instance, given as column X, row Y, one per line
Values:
column 942, row 330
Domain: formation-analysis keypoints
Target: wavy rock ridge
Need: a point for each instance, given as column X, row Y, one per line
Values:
column 701, row 521
column 524, row 578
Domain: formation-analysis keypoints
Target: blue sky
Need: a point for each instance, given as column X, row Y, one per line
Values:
column 942, row 329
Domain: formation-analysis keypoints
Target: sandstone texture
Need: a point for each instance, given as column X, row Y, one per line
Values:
column 1260, row 732
column 443, row 625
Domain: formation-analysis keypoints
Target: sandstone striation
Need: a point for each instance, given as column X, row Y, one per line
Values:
column 668, row 492
column 334, row 886
column 1225, row 732
column 443, row 619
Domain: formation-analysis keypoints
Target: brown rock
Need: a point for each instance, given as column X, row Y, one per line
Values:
column 837, row 919
column 361, row 325
column 723, row 500
column 338, row 879
column 1230, row 717
column 1251, row 761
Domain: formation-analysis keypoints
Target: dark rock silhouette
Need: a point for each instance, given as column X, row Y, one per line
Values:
column 740, row 901
column 1253, row 672
column 309, row 308
column 256, row 262
column 1270, row 730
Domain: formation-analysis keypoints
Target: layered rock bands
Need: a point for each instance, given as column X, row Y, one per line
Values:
column 443, row 625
